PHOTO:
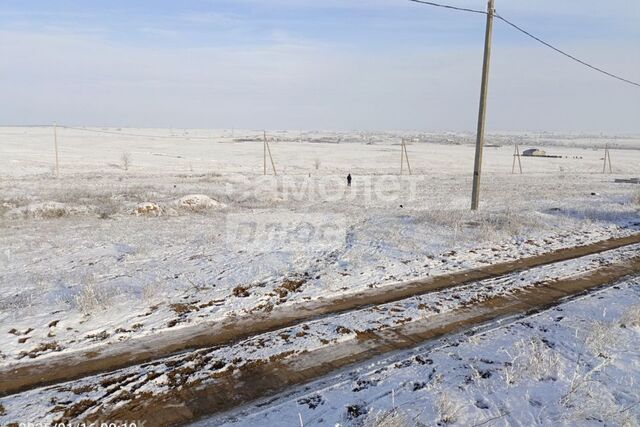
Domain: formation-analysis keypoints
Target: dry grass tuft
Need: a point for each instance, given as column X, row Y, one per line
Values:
column 601, row 338
column 631, row 318
column 92, row 298
column 392, row 418
column 447, row 409
column 531, row 359
column 125, row 160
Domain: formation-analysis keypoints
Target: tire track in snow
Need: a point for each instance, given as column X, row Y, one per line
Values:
column 194, row 384
column 69, row 366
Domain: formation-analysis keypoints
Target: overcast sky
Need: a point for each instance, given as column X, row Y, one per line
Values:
column 325, row 64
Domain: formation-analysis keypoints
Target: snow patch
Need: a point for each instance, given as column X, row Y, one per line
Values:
column 48, row 209
column 197, row 202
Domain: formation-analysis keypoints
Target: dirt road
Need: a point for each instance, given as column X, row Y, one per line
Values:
column 269, row 377
column 69, row 366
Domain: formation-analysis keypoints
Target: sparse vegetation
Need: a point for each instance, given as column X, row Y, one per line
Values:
column 42, row 348
column 447, row 408
column 91, row 297
column 531, row 358
column 483, row 226
column 125, row 160
column 631, row 318
column 392, row 418
column 601, row 338
column 602, row 341
column 152, row 292
column 106, row 207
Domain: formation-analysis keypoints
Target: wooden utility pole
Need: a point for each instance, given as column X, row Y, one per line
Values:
column 477, row 168
column 55, row 144
column 267, row 149
column 404, row 155
column 264, row 152
column 607, row 159
column 516, row 153
column 273, row 165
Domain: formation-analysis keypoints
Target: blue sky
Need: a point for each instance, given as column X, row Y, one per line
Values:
column 350, row 64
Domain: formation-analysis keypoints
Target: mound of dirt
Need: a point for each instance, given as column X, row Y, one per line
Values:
column 47, row 210
column 197, row 202
column 147, row 209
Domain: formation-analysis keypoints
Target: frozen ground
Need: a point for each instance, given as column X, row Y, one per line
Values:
column 575, row 364
column 102, row 254
column 311, row 343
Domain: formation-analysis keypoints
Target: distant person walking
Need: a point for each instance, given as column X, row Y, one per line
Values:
column 349, row 180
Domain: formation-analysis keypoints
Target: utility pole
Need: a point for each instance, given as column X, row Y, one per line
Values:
column 55, row 144
column 516, row 153
column 406, row 155
column 267, row 149
column 264, row 152
column 477, row 168
column 607, row 157
column 402, row 156
column 273, row 165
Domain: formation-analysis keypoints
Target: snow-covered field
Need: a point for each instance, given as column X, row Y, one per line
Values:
column 27, row 151
column 575, row 364
column 305, row 344
column 143, row 234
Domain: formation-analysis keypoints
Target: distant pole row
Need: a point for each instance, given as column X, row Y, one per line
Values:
column 404, row 157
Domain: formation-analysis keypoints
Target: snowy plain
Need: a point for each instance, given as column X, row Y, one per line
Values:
column 135, row 235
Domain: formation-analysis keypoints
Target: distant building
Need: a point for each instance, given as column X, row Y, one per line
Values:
column 534, row 152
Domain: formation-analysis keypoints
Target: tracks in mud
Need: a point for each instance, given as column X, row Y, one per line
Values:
column 219, row 389
column 65, row 367
column 266, row 378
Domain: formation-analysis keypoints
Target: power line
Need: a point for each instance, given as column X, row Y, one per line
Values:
column 593, row 67
column 134, row 134
column 462, row 9
column 538, row 39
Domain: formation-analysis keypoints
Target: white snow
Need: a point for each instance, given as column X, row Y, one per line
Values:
column 101, row 254
column 75, row 254
column 576, row 364
column 197, row 202
column 152, row 377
